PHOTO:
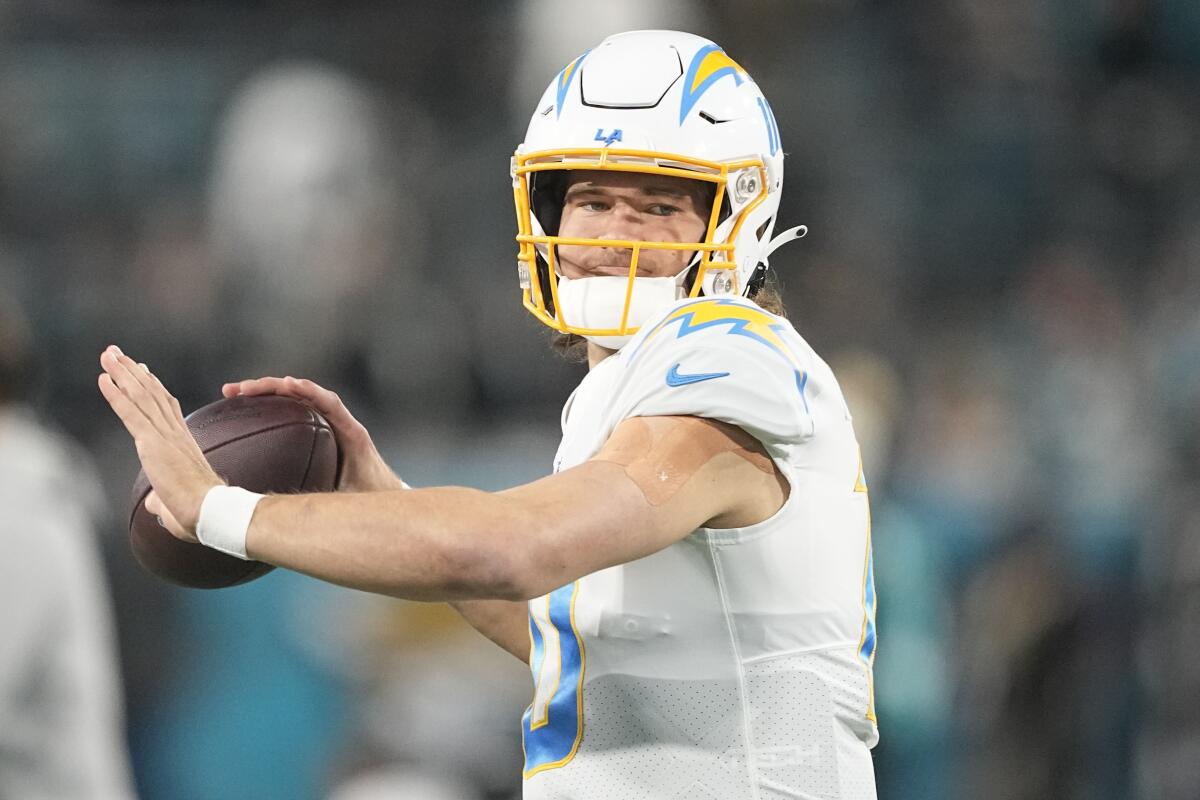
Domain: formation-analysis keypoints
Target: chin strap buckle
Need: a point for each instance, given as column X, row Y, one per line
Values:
column 759, row 276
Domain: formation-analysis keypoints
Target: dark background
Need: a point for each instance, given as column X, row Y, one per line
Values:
column 1003, row 267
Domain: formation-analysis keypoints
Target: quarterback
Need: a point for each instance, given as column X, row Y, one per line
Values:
column 692, row 587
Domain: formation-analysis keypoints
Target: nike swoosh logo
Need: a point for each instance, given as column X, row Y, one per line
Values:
column 675, row 379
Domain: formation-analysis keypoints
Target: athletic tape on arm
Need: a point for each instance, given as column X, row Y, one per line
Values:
column 225, row 518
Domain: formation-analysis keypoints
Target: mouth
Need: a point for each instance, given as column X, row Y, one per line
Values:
column 609, row 269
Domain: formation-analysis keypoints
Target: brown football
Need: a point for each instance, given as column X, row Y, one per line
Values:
column 264, row 443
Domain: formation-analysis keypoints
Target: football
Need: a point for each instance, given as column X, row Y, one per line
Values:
column 264, row 443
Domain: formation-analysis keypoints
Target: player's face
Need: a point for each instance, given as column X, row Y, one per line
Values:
column 630, row 206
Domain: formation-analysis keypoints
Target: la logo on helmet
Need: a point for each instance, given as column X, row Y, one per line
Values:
column 609, row 138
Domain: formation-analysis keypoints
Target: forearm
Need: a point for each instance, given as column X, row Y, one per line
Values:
column 505, row 622
column 425, row 544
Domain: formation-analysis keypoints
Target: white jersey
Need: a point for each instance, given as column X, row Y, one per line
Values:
column 735, row 663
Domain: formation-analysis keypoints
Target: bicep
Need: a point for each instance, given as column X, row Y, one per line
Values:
column 653, row 482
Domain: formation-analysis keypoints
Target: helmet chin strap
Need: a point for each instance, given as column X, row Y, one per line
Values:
column 759, row 276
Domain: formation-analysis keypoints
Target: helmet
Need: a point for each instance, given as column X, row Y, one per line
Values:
column 656, row 102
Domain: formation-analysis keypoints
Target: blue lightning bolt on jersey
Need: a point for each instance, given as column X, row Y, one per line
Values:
column 736, row 663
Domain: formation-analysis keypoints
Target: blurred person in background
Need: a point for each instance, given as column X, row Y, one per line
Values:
column 61, row 715
column 709, row 539
column 308, row 221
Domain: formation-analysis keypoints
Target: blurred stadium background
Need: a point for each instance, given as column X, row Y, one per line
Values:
column 1003, row 268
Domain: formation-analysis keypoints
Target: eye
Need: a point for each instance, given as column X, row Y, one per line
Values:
column 593, row 205
column 662, row 209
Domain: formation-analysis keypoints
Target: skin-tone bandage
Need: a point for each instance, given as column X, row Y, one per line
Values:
column 661, row 454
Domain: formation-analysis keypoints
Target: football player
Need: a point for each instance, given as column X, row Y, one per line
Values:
column 693, row 586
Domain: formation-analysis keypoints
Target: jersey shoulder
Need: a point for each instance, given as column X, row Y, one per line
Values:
column 720, row 358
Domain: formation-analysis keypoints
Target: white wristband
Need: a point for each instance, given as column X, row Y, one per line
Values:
column 225, row 517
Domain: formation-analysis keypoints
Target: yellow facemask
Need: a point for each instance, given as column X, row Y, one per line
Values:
column 714, row 260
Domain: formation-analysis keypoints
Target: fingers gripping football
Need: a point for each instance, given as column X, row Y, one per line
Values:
column 170, row 456
column 320, row 398
column 363, row 469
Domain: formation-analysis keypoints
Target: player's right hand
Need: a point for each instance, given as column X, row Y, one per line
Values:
column 362, row 469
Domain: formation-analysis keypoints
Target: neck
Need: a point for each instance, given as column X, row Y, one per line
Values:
column 596, row 354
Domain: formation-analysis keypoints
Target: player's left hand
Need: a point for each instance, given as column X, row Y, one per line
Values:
column 178, row 471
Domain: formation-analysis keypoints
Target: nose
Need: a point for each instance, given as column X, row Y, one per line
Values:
column 624, row 223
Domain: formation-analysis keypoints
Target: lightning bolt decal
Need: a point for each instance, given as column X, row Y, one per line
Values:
column 564, row 82
column 742, row 320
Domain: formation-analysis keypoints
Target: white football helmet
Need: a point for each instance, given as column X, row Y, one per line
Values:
column 656, row 102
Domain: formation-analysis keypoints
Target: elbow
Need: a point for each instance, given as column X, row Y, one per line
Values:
column 509, row 574
column 514, row 564
column 498, row 576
